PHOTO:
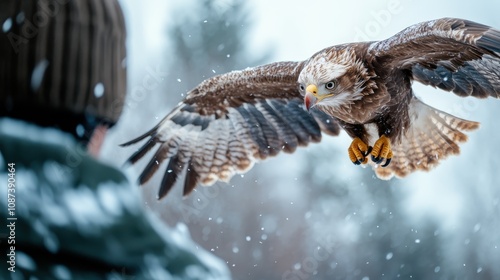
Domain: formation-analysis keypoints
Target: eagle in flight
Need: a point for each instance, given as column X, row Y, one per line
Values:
column 230, row 121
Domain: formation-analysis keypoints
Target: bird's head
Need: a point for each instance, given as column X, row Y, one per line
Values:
column 332, row 78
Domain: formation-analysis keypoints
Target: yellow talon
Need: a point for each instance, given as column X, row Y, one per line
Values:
column 358, row 151
column 382, row 150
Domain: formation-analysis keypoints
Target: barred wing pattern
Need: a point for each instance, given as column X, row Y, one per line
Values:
column 229, row 122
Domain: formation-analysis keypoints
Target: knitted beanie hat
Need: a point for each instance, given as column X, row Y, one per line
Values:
column 62, row 62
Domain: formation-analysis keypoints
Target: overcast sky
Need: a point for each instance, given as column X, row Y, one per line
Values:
column 298, row 30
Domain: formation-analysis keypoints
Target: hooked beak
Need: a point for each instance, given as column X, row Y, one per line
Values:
column 310, row 98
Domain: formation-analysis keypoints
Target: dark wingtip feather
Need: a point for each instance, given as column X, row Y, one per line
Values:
column 141, row 151
column 135, row 140
column 191, row 179
column 170, row 177
column 149, row 170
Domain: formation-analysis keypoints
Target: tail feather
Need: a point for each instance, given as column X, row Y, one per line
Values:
column 432, row 136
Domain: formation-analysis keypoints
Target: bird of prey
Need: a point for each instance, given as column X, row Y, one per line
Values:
column 230, row 121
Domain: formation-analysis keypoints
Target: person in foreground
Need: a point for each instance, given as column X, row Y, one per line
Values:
column 68, row 215
column 230, row 121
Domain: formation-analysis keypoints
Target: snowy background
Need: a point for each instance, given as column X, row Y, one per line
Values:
column 313, row 214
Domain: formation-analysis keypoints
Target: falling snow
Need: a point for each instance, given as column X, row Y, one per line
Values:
column 99, row 90
column 7, row 25
column 20, row 18
column 38, row 74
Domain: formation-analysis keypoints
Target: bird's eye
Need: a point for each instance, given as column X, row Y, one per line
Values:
column 330, row 85
column 301, row 87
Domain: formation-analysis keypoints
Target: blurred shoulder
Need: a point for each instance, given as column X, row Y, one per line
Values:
column 50, row 152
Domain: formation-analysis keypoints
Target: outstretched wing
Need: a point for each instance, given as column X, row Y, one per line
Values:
column 452, row 54
column 230, row 121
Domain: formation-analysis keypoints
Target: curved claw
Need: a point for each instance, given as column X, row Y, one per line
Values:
column 358, row 151
column 370, row 148
column 377, row 160
column 382, row 151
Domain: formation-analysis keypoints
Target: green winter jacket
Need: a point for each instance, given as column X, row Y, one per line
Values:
column 77, row 218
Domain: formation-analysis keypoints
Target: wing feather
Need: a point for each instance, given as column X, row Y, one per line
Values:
column 153, row 165
column 244, row 142
column 255, row 132
column 190, row 182
column 289, row 139
column 294, row 121
column 173, row 170
column 229, row 122
column 309, row 124
column 177, row 162
column 142, row 151
column 452, row 54
column 273, row 143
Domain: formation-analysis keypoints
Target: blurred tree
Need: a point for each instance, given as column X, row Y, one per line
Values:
column 210, row 38
column 360, row 226
column 472, row 247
